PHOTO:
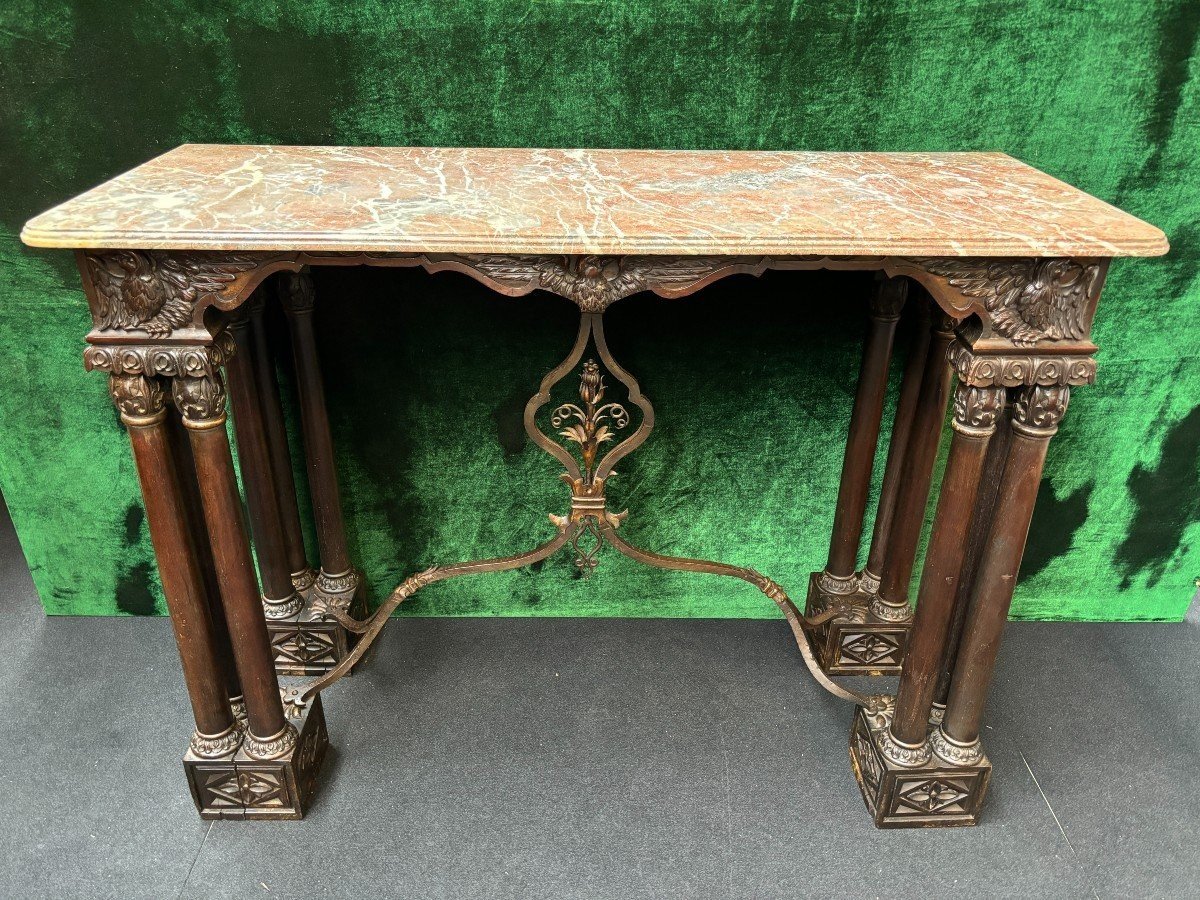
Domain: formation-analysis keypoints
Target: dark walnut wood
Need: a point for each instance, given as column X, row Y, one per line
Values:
column 1018, row 324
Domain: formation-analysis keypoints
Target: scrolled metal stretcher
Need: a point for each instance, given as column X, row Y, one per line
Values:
column 594, row 425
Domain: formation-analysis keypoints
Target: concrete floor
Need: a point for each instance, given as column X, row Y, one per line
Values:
column 593, row 758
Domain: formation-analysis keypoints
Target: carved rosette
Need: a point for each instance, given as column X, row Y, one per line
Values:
column 1008, row 370
column 157, row 291
column 1026, row 300
column 1038, row 409
column 140, row 400
column 201, row 401
column 977, row 408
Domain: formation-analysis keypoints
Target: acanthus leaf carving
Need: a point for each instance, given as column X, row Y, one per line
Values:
column 157, row 291
column 1027, row 300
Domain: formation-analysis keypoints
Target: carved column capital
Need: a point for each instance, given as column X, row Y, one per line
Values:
column 296, row 292
column 1016, row 369
column 888, row 302
column 139, row 399
column 200, row 400
column 1039, row 408
column 976, row 409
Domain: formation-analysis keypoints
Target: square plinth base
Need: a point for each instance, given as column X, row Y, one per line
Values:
column 309, row 643
column 856, row 642
column 928, row 796
column 245, row 788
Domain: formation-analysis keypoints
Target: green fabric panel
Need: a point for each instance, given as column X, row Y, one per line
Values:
column 751, row 380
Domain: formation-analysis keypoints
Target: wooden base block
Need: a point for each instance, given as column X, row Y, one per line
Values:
column 310, row 643
column 855, row 642
column 933, row 794
column 243, row 788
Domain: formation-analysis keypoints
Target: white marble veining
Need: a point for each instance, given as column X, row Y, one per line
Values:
column 377, row 199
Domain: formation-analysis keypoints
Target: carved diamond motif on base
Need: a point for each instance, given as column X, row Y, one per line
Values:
column 855, row 642
column 242, row 787
column 310, row 643
column 933, row 794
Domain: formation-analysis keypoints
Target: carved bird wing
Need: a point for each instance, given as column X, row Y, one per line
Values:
column 1061, row 301
column 668, row 274
column 188, row 279
column 999, row 284
column 510, row 271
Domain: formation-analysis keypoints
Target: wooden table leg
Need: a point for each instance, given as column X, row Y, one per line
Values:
column 840, row 574
column 310, row 643
column 842, row 645
column 1036, row 415
column 277, row 763
column 906, row 778
column 906, row 407
column 981, row 523
column 890, row 604
column 337, row 580
column 143, row 410
column 277, row 445
column 280, row 599
column 185, row 469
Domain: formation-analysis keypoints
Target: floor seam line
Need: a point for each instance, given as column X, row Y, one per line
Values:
column 1061, row 830
column 195, row 859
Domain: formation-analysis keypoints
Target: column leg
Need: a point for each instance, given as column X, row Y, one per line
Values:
column 869, row 637
column 981, row 523
column 337, row 580
column 281, row 459
column 185, row 468
column 277, row 763
column 311, row 643
column 141, row 403
column 279, row 598
column 1036, row 414
column 944, row 782
column 890, row 604
column 906, row 407
column 839, row 575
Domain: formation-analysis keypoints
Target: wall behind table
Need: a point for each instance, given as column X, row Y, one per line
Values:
column 752, row 382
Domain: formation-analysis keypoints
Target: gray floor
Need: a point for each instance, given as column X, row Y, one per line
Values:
column 558, row 758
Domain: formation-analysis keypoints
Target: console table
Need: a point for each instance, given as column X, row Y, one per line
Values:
column 1000, row 265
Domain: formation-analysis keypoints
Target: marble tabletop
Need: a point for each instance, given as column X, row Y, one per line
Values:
column 411, row 199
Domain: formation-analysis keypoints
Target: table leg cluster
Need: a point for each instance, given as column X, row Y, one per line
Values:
column 249, row 755
column 870, row 633
column 917, row 755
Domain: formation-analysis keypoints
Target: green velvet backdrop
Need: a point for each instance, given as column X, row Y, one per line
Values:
column 752, row 380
